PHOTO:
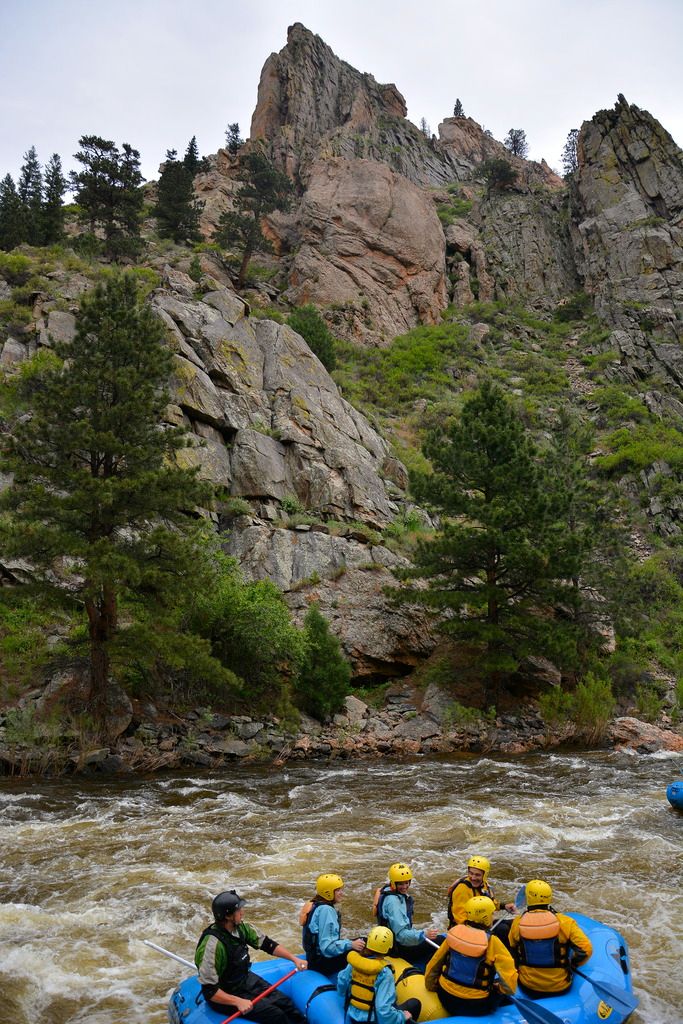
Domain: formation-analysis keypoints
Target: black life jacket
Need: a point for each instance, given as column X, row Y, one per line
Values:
column 235, row 973
column 486, row 890
column 466, row 962
column 316, row 960
column 539, row 941
column 385, row 891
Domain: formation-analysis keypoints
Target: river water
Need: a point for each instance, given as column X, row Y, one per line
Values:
column 91, row 868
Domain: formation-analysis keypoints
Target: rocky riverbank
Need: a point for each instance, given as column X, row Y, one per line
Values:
column 407, row 725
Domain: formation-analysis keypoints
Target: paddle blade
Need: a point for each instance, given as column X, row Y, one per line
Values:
column 520, row 899
column 620, row 1000
column 534, row 1013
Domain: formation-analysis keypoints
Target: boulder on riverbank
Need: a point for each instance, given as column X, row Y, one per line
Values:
column 409, row 723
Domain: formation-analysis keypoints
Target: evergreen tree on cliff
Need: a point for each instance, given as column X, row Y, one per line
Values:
column 108, row 191
column 325, row 674
column 505, row 556
column 98, row 503
column 176, row 210
column 53, row 206
column 191, row 159
column 233, row 139
column 570, row 154
column 30, row 190
column 12, row 216
column 264, row 190
column 516, row 142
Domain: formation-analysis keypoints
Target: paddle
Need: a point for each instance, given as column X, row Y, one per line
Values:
column 173, row 956
column 622, row 1001
column 266, row 991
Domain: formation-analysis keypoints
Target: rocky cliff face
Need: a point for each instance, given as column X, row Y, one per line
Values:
column 365, row 235
column 628, row 236
column 370, row 240
column 273, row 429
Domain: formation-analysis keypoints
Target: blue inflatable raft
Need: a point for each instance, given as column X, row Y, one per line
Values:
column 603, row 992
column 674, row 794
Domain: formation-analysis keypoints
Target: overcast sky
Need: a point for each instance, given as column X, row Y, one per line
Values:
column 156, row 72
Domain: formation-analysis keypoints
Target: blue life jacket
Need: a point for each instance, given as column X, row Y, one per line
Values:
column 464, row 965
column 539, row 941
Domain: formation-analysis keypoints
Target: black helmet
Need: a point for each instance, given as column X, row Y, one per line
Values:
column 226, row 903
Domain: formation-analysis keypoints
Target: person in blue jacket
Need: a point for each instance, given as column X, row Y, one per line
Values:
column 320, row 919
column 367, row 985
column 394, row 910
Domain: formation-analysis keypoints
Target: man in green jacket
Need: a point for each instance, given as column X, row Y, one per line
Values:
column 222, row 958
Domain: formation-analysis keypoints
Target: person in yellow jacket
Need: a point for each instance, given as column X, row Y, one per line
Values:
column 542, row 940
column 462, row 972
column 474, row 883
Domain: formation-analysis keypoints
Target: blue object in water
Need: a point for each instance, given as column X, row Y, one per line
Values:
column 583, row 1004
column 674, row 794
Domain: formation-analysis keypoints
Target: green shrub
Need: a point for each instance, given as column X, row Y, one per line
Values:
column 324, row 677
column 232, row 508
column 14, row 317
column 251, row 633
column 24, row 651
column 555, row 706
column 15, row 268
column 291, row 505
column 593, row 706
column 574, row 308
column 642, row 445
column 88, row 245
column 649, row 702
column 457, row 714
column 195, row 269
column 267, row 313
column 308, row 322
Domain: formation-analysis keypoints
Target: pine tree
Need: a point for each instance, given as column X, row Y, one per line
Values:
column 570, row 153
column 30, row 190
column 458, row 109
column 12, row 215
column 191, row 159
column 108, row 190
column 176, row 210
column 505, row 556
column 233, row 139
column 97, row 504
column 264, row 189
column 53, row 206
column 424, row 128
column 325, row 674
column 516, row 142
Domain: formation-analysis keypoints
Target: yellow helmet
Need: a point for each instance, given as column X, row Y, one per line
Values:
column 399, row 873
column 479, row 910
column 326, row 884
column 538, row 893
column 380, row 939
column 481, row 863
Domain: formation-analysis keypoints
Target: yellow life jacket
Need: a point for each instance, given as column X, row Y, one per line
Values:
column 540, row 945
column 466, row 962
column 541, row 924
column 484, row 890
column 364, row 972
